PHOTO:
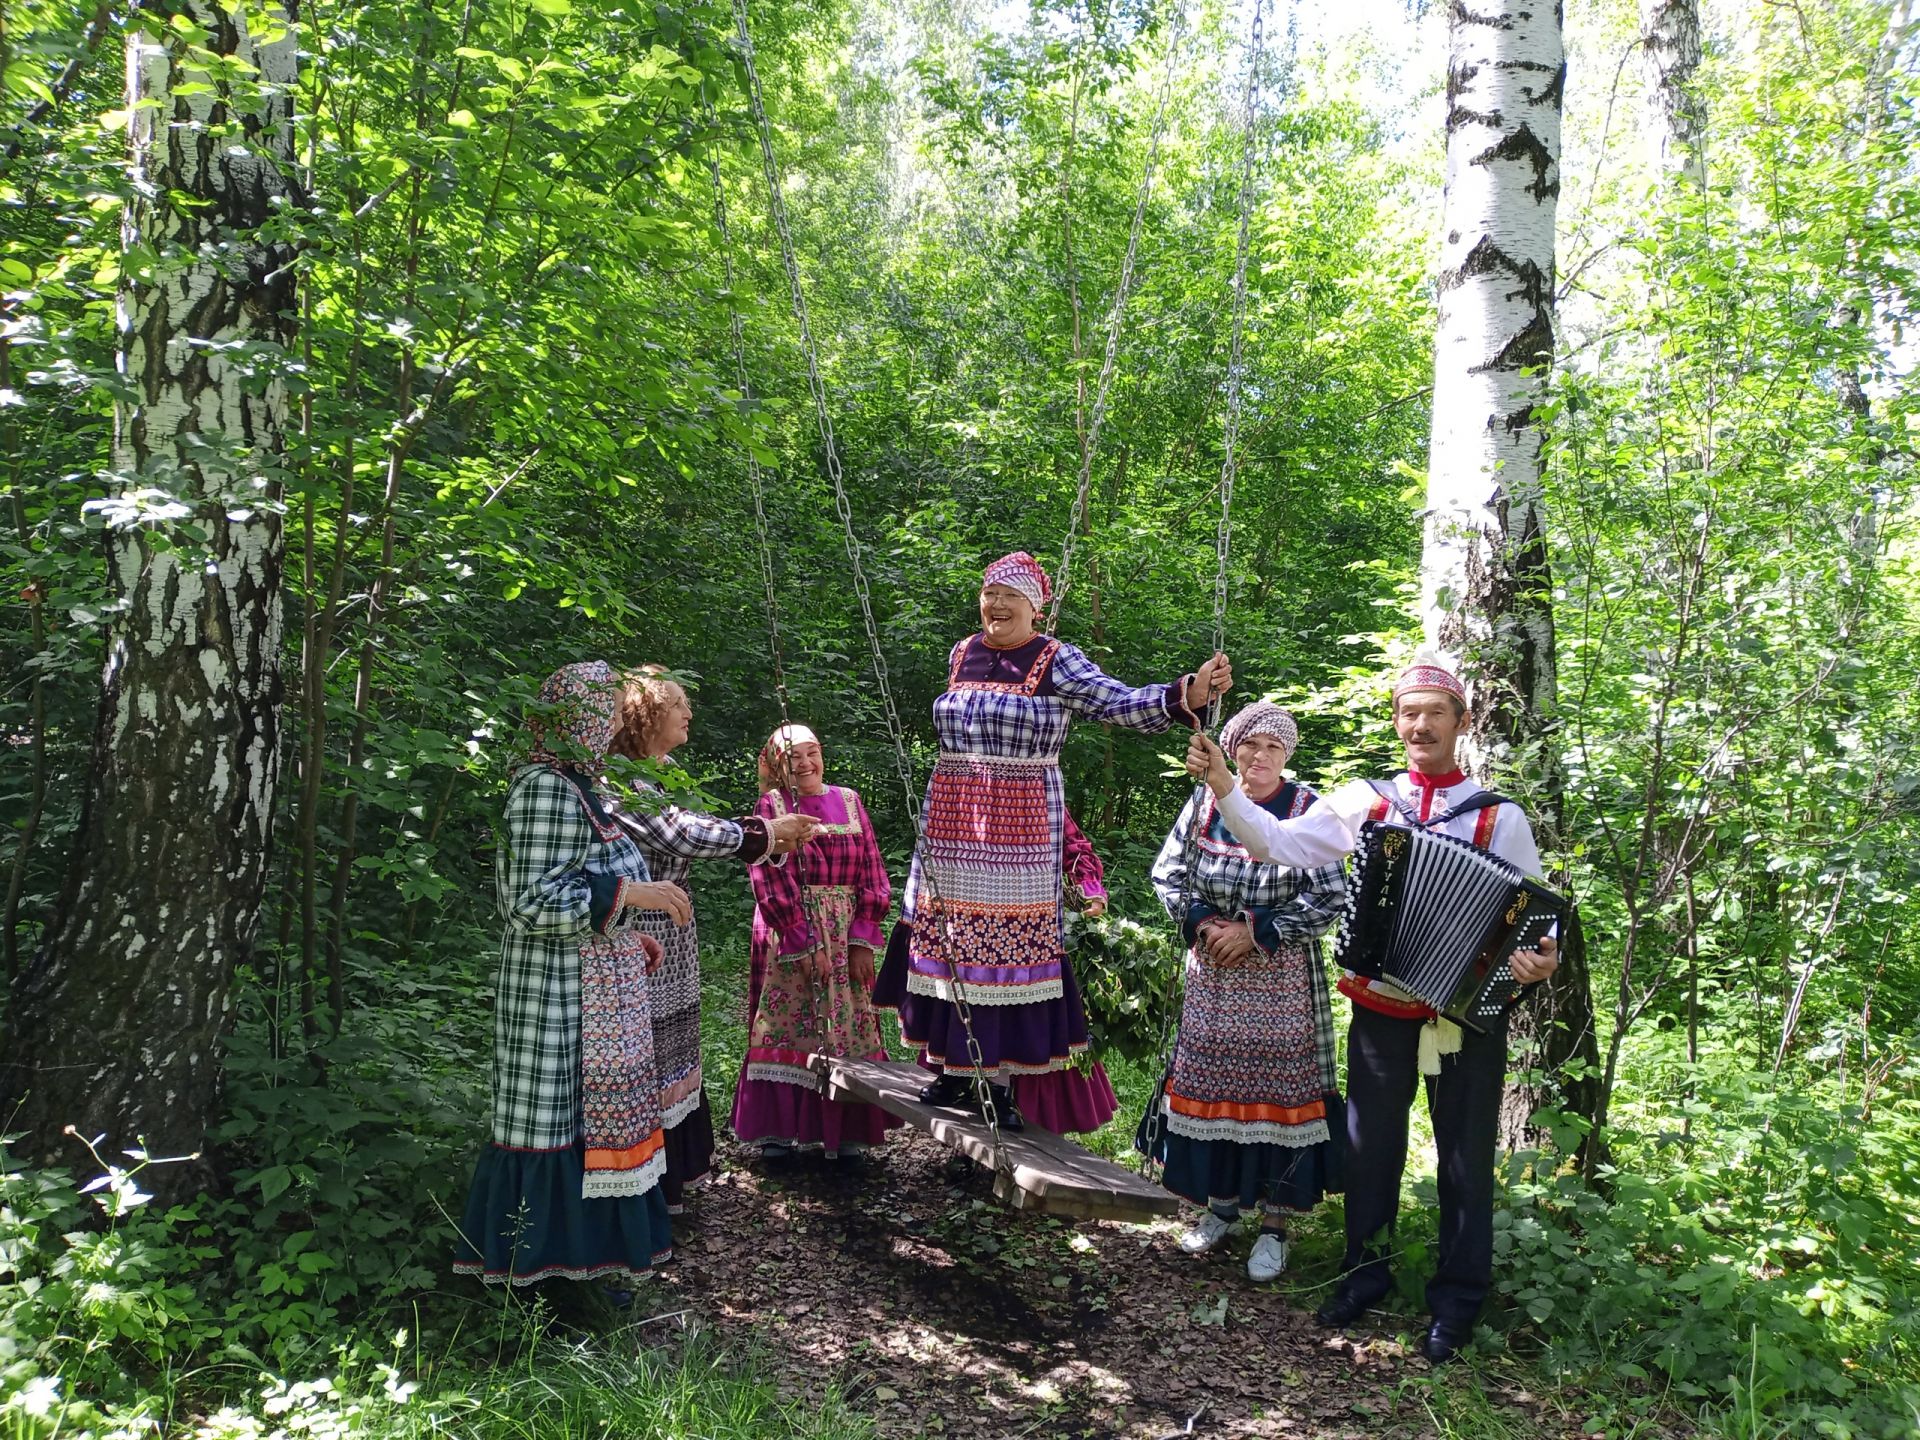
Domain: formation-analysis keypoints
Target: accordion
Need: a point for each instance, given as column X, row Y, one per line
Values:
column 1441, row 918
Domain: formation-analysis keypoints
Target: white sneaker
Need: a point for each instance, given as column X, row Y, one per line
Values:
column 1269, row 1257
column 1207, row 1232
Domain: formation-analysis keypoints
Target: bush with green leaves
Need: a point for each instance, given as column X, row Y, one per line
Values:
column 1126, row 972
column 1751, row 1254
column 96, row 1298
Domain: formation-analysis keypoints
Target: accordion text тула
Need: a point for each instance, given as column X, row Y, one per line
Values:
column 1440, row 918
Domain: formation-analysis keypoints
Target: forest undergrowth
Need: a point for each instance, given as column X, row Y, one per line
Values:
column 1743, row 1278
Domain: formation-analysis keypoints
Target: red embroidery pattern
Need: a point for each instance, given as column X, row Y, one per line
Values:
column 966, row 809
column 1029, row 684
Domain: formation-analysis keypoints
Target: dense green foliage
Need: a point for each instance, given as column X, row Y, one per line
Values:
column 521, row 442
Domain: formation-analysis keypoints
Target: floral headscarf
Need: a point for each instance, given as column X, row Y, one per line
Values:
column 573, row 722
column 773, row 754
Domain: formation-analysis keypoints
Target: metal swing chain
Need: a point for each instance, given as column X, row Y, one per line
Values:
column 843, row 507
column 1223, row 543
column 1115, row 316
column 756, row 480
column 756, row 484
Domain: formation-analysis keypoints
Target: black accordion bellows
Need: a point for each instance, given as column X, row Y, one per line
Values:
column 1440, row 918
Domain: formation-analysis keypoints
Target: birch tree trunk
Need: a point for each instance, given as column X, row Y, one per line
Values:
column 1670, row 50
column 1485, row 585
column 1855, row 310
column 119, row 1020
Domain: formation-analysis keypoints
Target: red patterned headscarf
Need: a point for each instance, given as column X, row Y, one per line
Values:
column 1020, row 571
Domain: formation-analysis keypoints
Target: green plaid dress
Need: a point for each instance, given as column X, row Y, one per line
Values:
column 557, row 882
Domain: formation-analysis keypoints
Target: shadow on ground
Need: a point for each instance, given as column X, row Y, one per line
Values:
column 941, row 1313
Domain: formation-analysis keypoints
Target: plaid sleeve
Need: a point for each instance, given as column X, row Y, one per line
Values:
column 1313, row 909
column 1086, row 689
column 1172, row 881
column 541, row 882
column 671, row 830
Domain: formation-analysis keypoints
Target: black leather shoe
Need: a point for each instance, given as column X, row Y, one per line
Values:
column 1444, row 1342
column 1011, row 1121
column 1342, row 1310
column 947, row 1090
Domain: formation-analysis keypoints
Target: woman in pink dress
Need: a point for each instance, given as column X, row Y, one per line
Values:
column 816, row 925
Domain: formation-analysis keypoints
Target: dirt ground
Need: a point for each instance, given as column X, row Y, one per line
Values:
column 942, row 1313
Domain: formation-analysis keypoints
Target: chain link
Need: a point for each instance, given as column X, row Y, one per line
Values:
column 1223, row 542
column 1236, row 354
column 843, row 507
column 1115, row 315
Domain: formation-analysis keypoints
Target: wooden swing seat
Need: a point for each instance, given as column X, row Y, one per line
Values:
column 1046, row 1173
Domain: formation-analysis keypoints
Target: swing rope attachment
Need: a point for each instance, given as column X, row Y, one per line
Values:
column 756, row 479
column 757, row 487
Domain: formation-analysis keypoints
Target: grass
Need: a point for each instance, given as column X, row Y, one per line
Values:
column 613, row 1384
column 527, row 1377
column 487, row 1369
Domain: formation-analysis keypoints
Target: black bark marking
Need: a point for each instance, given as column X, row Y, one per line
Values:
column 1460, row 115
column 1556, row 92
column 1523, row 145
column 1463, row 16
column 1459, row 77
column 1487, row 258
column 1531, row 348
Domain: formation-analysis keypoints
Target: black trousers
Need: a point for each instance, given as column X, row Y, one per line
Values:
column 1383, row 1071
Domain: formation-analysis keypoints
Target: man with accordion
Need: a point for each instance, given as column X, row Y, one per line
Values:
column 1445, row 927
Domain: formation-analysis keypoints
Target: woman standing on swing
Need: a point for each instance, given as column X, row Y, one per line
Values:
column 984, row 895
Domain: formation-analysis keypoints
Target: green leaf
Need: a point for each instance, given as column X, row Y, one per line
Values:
column 273, row 1181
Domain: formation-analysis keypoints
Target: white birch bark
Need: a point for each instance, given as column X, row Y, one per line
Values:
column 1486, row 590
column 1670, row 52
column 1483, row 563
column 120, row 1018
